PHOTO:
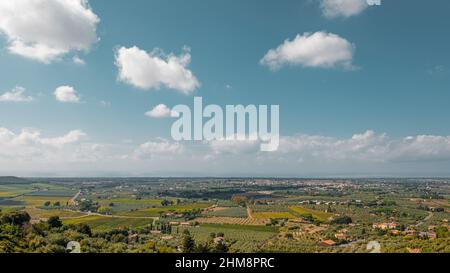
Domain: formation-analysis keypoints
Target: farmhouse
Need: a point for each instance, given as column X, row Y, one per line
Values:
column 428, row 235
column 340, row 236
column 411, row 232
column 395, row 232
column 385, row 226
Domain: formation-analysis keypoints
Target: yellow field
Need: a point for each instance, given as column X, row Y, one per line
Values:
column 320, row 215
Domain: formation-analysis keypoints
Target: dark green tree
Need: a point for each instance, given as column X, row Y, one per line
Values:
column 188, row 243
column 54, row 222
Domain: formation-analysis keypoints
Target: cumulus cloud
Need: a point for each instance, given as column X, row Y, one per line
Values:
column 46, row 30
column 298, row 154
column 160, row 111
column 66, row 94
column 156, row 69
column 367, row 146
column 319, row 49
column 71, row 137
column 29, row 145
column 422, row 147
column 77, row 60
column 342, row 8
column 235, row 147
column 15, row 95
column 158, row 149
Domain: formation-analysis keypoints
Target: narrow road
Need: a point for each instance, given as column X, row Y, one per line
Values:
column 430, row 214
column 249, row 213
column 74, row 198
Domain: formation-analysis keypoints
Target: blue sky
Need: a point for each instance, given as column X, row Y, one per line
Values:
column 398, row 85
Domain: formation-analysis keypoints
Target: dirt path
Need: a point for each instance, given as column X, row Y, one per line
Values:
column 430, row 214
column 74, row 198
column 249, row 213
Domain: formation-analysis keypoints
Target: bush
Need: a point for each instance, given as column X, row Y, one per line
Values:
column 54, row 222
column 343, row 220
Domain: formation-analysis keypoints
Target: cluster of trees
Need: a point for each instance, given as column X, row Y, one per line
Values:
column 164, row 227
column 56, row 204
column 213, row 245
column 342, row 220
column 427, row 208
column 18, row 235
column 240, row 200
column 166, row 203
column 88, row 205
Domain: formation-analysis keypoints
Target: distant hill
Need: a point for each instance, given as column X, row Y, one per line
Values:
column 13, row 180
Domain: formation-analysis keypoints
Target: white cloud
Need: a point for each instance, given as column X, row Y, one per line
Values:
column 155, row 69
column 66, row 94
column 77, row 60
column 235, row 147
column 158, row 149
column 422, row 147
column 71, row 137
column 319, row 49
column 46, row 30
column 160, row 111
column 368, row 152
column 15, row 95
column 29, row 145
column 367, row 146
column 342, row 8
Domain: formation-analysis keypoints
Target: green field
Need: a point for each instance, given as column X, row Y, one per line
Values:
column 229, row 212
column 15, row 190
column 272, row 215
column 155, row 212
column 38, row 201
column 269, row 208
column 101, row 223
column 126, row 204
column 37, row 213
column 241, row 238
